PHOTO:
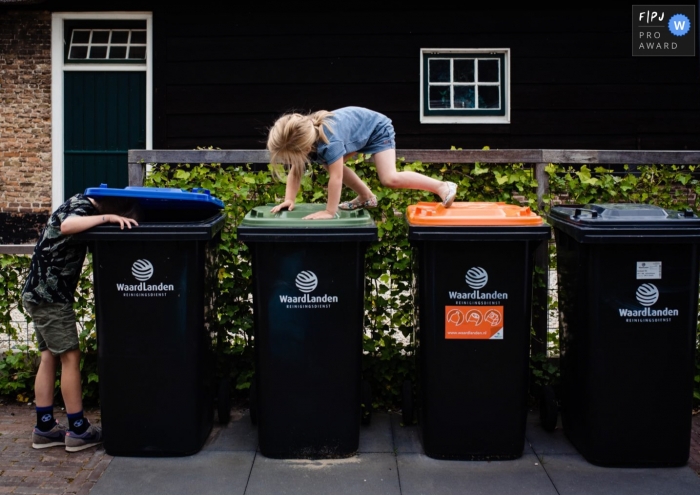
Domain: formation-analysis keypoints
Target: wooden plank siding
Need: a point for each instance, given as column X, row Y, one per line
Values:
column 222, row 78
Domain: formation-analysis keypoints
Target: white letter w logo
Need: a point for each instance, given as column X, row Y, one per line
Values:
column 679, row 25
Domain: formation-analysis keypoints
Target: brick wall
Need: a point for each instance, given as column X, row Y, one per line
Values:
column 25, row 112
column 25, row 124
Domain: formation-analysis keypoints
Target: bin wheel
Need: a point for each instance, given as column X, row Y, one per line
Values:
column 223, row 403
column 253, row 402
column 366, row 403
column 548, row 408
column 407, row 412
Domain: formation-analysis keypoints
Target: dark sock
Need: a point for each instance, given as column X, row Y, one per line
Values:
column 44, row 418
column 77, row 423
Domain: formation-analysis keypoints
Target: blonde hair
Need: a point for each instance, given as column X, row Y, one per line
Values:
column 293, row 136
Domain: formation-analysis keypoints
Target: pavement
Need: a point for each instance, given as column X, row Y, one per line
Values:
column 390, row 461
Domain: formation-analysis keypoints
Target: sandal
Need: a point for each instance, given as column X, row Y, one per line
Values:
column 357, row 204
column 450, row 196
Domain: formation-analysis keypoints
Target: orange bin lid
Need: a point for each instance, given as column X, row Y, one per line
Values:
column 472, row 213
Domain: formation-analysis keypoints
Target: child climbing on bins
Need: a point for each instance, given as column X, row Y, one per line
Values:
column 334, row 137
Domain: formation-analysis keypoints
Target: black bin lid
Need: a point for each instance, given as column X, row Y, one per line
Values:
column 625, row 222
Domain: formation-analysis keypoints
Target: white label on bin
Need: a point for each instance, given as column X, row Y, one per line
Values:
column 648, row 270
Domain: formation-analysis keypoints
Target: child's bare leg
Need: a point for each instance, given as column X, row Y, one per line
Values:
column 353, row 181
column 71, row 389
column 45, row 379
column 385, row 162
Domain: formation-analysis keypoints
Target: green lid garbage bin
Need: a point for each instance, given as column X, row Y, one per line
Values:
column 475, row 265
column 154, row 290
column 628, row 308
column 308, row 305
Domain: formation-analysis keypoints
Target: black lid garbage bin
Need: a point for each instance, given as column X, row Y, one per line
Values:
column 308, row 305
column 474, row 273
column 628, row 308
column 154, row 291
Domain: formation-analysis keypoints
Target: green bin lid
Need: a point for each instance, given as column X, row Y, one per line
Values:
column 260, row 224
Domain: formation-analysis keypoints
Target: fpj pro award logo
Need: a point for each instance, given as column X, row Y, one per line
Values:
column 663, row 30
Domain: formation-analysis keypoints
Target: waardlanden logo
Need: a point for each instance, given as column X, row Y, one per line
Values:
column 476, row 278
column 307, row 281
column 647, row 295
column 142, row 271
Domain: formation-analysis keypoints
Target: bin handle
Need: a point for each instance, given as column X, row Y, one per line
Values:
column 577, row 212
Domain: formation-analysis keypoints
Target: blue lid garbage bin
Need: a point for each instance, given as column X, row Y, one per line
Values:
column 475, row 265
column 308, row 306
column 628, row 308
column 154, row 291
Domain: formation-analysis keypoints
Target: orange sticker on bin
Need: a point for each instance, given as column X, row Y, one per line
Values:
column 472, row 213
column 474, row 322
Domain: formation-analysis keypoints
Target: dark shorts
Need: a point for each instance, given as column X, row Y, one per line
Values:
column 383, row 138
column 55, row 326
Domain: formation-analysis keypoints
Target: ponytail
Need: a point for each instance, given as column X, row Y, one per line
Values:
column 292, row 137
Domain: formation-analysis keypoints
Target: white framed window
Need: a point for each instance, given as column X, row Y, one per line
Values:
column 465, row 86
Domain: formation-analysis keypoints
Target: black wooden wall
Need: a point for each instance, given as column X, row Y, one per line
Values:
column 221, row 78
column 225, row 70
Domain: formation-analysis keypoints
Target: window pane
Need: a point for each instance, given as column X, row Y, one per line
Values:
column 439, row 97
column 464, row 97
column 81, row 36
column 489, row 97
column 100, row 36
column 439, row 70
column 464, row 70
column 117, row 52
column 138, row 52
column 488, row 71
column 98, row 52
column 78, row 52
column 138, row 37
column 120, row 37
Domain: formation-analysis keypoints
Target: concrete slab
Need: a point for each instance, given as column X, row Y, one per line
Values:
column 422, row 475
column 376, row 437
column 547, row 442
column 203, row 473
column 573, row 475
column 238, row 435
column 362, row 474
column 407, row 439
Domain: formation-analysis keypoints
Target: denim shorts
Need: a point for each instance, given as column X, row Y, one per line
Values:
column 55, row 326
column 383, row 138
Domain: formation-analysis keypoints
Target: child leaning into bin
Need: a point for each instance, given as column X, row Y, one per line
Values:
column 48, row 298
column 335, row 137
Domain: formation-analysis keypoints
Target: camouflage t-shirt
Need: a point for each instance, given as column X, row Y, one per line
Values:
column 58, row 259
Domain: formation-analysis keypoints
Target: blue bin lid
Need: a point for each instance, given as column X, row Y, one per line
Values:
column 161, row 197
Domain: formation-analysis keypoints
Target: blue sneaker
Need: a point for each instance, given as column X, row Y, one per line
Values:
column 91, row 437
column 55, row 437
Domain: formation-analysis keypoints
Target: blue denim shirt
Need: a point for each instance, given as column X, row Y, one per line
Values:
column 355, row 129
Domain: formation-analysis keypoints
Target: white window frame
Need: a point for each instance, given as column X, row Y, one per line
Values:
column 59, row 66
column 466, row 119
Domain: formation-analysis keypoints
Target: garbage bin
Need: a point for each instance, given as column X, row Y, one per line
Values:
column 308, row 306
column 628, row 308
column 154, row 290
column 474, row 273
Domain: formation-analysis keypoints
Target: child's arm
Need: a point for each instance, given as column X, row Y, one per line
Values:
column 335, row 184
column 76, row 223
column 290, row 193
